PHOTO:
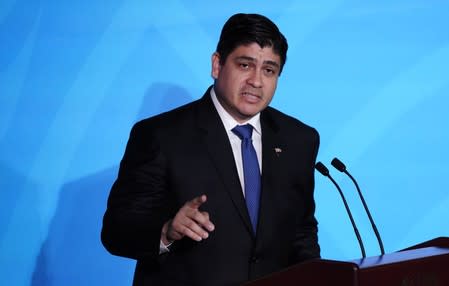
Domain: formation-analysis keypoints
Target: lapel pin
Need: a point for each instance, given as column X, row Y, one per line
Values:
column 278, row 151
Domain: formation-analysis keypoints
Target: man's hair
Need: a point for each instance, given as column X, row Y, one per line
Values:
column 245, row 29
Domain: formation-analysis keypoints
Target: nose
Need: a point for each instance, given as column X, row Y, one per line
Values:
column 255, row 78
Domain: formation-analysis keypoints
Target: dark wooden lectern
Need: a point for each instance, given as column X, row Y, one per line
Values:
column 425, row 264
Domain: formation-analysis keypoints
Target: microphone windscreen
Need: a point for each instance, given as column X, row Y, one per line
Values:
column 338, row 165
column 322, row 169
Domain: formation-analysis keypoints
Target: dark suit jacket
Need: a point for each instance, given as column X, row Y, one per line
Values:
column 176, row 156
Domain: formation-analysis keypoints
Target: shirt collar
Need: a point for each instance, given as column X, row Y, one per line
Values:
column 228, row 121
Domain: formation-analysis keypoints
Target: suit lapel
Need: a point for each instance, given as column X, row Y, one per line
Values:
column 271, row 150
column 217, row 143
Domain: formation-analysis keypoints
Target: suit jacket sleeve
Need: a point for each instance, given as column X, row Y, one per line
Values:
column 137, row 207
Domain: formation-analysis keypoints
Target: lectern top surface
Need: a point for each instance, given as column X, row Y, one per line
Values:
column 401, row 256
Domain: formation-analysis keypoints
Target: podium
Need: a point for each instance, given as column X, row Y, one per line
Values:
column 425, row 264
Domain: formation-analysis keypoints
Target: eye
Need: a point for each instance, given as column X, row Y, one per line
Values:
column 270, row 71
column 244, row 65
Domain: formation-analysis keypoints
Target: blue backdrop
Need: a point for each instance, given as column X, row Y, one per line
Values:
column 371, row 76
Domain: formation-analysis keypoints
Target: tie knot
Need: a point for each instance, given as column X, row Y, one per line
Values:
column 243, row 131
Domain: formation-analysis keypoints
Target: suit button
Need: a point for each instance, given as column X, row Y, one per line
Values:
column 254, row 259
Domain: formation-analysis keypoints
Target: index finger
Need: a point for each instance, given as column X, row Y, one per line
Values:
column 197, row 202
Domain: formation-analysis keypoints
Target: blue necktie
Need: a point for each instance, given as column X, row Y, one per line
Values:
column 251, row 172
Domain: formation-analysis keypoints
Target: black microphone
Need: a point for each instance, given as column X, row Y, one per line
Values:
column 342, row 168
column 325, row 172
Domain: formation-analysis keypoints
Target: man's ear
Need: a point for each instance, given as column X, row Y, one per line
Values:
column 216, row 67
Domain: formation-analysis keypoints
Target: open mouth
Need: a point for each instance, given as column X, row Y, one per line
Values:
column 251, row 96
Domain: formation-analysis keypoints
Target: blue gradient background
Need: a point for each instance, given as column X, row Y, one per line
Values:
column 371, row 76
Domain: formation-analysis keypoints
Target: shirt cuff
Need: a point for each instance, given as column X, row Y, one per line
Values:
column 164, row 248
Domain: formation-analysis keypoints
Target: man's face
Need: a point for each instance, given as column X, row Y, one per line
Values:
column 246, row 82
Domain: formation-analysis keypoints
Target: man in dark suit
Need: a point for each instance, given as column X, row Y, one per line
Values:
column 219, row 191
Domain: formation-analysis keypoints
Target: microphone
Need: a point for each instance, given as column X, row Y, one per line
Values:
column 325, row 172
column 342, row 168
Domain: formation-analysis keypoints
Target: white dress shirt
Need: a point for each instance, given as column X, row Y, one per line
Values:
column 236, row 143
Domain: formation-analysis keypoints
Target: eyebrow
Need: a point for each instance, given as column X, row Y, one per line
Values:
column 268, row 62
